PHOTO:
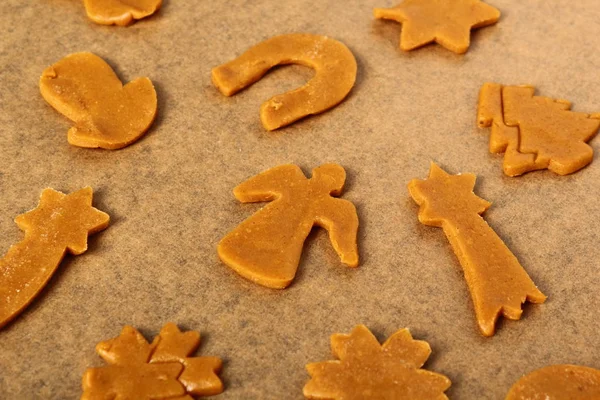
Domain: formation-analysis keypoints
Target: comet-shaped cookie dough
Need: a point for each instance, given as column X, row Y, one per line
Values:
column 60, row 223
column 335, row 73
column 497, row 281
column 85, row 89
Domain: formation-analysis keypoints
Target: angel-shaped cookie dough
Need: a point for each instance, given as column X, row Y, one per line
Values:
column 266, row 247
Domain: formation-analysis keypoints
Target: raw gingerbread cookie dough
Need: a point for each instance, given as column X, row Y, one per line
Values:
column 497, row 281
column 120, row 12
column 266, row 247
column 162, row 369
column 60, row 223
column 535, row 132
column 558, row 382
column 335, row 73
column 85, row 89
column 368, row 370
column 446, row 22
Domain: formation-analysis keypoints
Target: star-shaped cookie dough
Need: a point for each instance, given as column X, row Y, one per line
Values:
column 446, row 22
column 65, row 220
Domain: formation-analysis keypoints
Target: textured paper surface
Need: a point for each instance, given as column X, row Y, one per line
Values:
column 170, row 194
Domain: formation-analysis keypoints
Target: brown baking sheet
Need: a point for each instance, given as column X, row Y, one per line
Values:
column 170, row 194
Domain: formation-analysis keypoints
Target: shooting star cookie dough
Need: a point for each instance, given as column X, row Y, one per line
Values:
column 497, row 281
column 60, row 223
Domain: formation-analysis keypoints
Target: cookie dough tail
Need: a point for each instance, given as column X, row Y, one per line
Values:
column 509, row 307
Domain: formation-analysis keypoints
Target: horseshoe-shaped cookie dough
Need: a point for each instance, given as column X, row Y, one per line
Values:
column 107, row 114
column 120, row 12
column 335, row 73
column 558, row 382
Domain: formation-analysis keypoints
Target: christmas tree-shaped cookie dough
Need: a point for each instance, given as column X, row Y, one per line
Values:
column 497, row 281
column 367, row 370
column 85, row 89
column 335, row 73
column 535, row 132
column 446, row 22
column 558, row 382
column 163, row 369
column 120, row 12
column 60, row 223
column 266, row 247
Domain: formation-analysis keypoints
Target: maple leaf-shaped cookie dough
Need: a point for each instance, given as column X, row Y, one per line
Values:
column 139, row 370
column 120, row 12
column 85, row 89
column 446, row 22
column 367, row 370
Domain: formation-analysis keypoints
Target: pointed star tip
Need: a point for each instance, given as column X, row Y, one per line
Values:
column 86, row 190
column 171, row 326
column 51, row 192
column 435, row 170
column 311, row 367
column 495, row 13
column 85, row 194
